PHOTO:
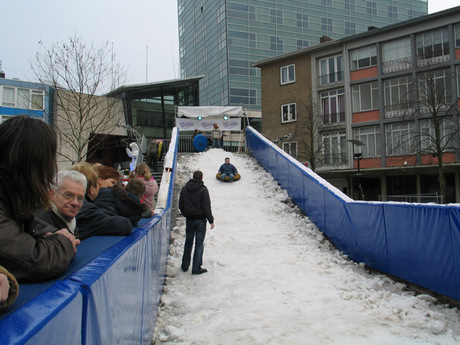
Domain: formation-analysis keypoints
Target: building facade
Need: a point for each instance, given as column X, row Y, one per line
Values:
column 19, row 97
column 383, row 113
column 221, row 39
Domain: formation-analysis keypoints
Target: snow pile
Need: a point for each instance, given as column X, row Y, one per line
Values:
column 274, row 279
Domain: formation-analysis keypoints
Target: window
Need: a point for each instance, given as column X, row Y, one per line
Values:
column 8, row 97
column 302, row 20
column 370, row 136
column 350, row 28
column 365, row 97
column 276, row 43
column 371, row 7
column 241, row 39
column 276, row 16
column 287, row 74
column 331, row 70
column 240, row 11
column 458, row 81
column 326, row 3
column 288, row 113
column 393, row 12
column 457, row 35
column 333, row 106
column 396, row 55
column 428, row 134
column 363, row 57
column 433, row 46
column 435, row 90
column 23, row 98
column 397, row 97
column 326, row 24
column 350, row 5
column 302, row 44
column 290, row 148
column 399, row 138
column 335, row 148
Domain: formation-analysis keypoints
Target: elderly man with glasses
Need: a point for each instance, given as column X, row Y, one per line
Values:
column 66, row 200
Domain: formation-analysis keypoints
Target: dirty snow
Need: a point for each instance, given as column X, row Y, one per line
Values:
column 274, row 279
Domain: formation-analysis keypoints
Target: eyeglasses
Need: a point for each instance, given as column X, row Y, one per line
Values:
column 69, row 197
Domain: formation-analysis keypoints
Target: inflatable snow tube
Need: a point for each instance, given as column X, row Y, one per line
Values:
column 235, row 178
column 200, row 143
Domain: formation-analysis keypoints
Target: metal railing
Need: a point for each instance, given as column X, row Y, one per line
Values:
column 422, row 198
column 232, row 142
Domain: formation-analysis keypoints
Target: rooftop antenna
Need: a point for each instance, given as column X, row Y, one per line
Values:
column 146, row 63
column 2, row 74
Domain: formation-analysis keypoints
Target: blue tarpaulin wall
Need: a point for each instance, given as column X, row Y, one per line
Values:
column 109, row 294
column 418, row 243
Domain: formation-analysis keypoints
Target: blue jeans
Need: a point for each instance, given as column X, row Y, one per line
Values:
column 230, row 176
column 195, row 229
column 216, row 143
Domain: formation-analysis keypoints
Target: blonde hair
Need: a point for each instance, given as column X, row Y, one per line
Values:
column 143, row 170
column 89, row 171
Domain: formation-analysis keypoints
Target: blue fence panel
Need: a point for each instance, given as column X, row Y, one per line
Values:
column 53, row 314
column 368, row 224
column 417, row 243
column 420, row 246
column 110, row 292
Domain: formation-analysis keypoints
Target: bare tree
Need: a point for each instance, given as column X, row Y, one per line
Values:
column 437, row 109
column 309, row 131
column 80, row 75
column 436, row 131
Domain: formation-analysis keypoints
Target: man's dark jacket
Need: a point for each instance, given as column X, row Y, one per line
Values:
column 194, row 201
column 93, row 220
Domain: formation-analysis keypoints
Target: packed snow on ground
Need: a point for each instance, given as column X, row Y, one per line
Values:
column 274, row 279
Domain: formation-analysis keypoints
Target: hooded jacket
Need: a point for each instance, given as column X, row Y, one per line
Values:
column 194, row 201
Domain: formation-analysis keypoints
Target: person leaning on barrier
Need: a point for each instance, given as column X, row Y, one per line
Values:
column 30, row 249
column 66, row 200
column 9, row 288
column 108, row 176
column 142, row 173
column 93, row 220
column 117, row 201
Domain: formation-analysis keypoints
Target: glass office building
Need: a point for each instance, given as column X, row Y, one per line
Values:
column 221, row 39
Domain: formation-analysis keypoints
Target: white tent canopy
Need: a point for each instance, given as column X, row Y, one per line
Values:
column 195, row 112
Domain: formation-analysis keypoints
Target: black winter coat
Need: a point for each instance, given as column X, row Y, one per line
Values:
column 194, row 201
column 116, row 201
column 93, row 220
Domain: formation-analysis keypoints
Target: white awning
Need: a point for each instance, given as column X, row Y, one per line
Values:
column 194, row 112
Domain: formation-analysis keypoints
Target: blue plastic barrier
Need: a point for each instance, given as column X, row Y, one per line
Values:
column 109, row 294
column 418, row 243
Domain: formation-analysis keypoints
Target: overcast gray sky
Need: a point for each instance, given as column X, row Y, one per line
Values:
column 130, row 25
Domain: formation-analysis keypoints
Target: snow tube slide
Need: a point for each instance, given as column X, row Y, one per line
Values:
column 235, row 178
column 200, row 142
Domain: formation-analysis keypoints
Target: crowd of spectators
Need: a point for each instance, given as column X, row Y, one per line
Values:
column 45, row 214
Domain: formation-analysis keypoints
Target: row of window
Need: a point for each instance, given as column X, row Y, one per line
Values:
column 277, row 16
column 432, row 47
column 22, row 98
column 401, row 139
column 434, row 90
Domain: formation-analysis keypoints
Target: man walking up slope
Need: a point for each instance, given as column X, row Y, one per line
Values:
column 195, row 205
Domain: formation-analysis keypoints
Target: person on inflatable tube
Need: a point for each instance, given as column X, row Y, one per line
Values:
column 227, row 172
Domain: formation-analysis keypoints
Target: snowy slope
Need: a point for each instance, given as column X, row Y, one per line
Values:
column 274, row 279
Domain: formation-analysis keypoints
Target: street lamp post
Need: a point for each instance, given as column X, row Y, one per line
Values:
column 358, row 156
